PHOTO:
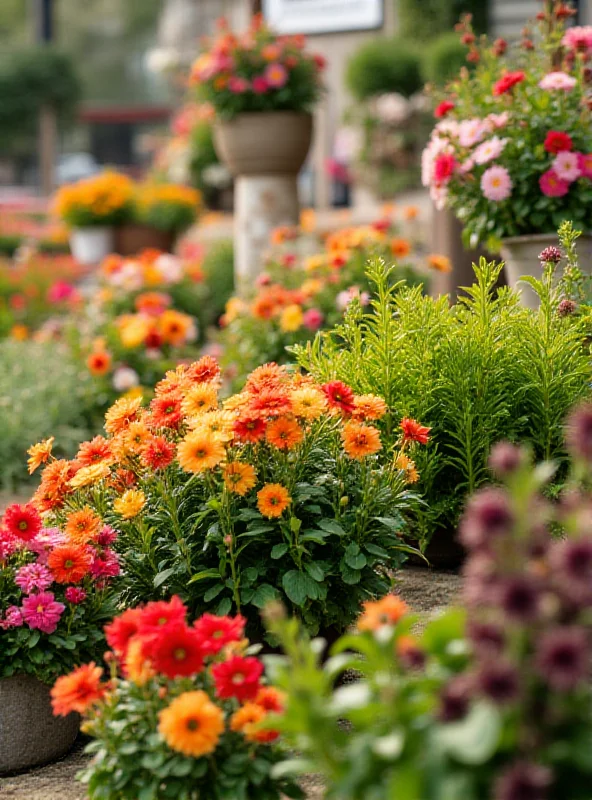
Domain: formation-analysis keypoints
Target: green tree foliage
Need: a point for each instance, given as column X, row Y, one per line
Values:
column 444, row 58
column 421, row 20
column 384, row 65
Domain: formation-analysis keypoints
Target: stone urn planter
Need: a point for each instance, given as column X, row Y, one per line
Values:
column 131, row 239
column 265, row 151
column 29, row 733
column 91, row 245
column 521, row 257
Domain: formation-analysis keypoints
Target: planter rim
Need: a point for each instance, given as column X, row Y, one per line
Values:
column 536, row 237
column 254, row 115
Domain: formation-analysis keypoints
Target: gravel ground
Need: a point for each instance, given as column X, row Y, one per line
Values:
column 425, row 590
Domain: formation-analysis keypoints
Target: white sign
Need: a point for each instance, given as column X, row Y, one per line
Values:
column 323, row 16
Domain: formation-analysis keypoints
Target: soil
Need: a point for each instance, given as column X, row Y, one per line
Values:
column 426, row 591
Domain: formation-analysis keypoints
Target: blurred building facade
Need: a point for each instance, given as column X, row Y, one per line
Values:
column 507, row 16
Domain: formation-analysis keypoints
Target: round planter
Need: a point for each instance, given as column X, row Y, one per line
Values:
column 521, row 257
column 264, row 143
column 91, row 245
column 132, row 239
column 29, row 733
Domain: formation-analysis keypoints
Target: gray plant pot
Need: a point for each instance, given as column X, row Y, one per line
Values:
column 29, row 733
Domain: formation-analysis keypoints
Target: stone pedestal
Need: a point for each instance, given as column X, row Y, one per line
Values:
column 261, row 203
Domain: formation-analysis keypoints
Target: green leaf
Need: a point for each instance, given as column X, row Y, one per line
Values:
column 395, row 524
column 249, row 575
column 353, row 557
column 263, row 595
column 315, row 571
column 163, row 576
column 474, row 739
column 331, row 526
column 224, row 607
column 279, row 550
column 349, row 575
column 299, row 586
column 375, row 550
column 206, row 573
column 213, row 592
column 33, row 639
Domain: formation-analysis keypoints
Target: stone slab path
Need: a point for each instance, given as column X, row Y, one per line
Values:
column 426, row 591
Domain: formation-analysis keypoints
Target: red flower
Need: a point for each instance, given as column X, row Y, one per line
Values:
column 444, row 166
column 23, row 522
column 507, row 82
column 175, row 650
column 166, row 411
column 558, row 142
column 414, row 432
column 158, row 453
column 443, row 109
column 339, row 395
column 203, row 371
column 250, row 429
column 122, row 629
column 160, row 614
column 216, row 632
column 238, row 677
column 270, row 403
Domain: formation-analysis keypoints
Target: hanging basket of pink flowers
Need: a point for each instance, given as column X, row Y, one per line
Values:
column 511, row 153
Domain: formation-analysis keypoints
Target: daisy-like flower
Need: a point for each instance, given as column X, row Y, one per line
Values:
column 157, row 453
column 249, row 428
column 42, row 612
column 33, row 576
column 267, row 376
column 203, row 371
column 83, row 525
column 369, row 407
column 487, row 151
column 563, row 657
column 219, row 424
column 22, row 521
column 414, row 432
column 75, row 595
column 246, row 721
column 69, row 563
column 192, row 724
column 133, row 439
column 166, row 411
column 99, row 362
column 217, row 632
column 199, row 399
column 239, row 477
column 199, row 451
column 130, row 503
column 557, row 81
column 471, row 131
column 39, row 454
column 176, row 651
column 567, row 166
column 339, row 396
column 87, row 476
column 271, row 699
column 77, row 691
column 238, row 677
column 273, row 499
column 122, row 629
column 406, row 464
column 121, row 413
column 552, row 185
column 291, row 318
column 440, row 263
column 276, row 75
column 270, row 403
column 137, row 666
column 308, row 402
column 360, row 440
column 284, row 433
column 496, row 184
column 97, row 451
column 158, row 614
column 385, row 612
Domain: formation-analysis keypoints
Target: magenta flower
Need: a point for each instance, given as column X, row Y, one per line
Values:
column 260, row 84
column 107, row 536
column 567, row 166
column 61, row 291
column 313, row 319
column 276, row 75
column 586, row 164
column 75, row 595
column 33, row 576
column 12, row 619
column 42, row 611
column 238, row 85
column 106, row 565
column 552, row 185
column 496, row 184
column 563, row 658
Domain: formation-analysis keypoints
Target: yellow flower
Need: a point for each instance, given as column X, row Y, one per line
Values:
column 219, row 424
column 19, row 332
column 311, row 286
column 440, row 263
column 133, row 330
column 89, row 475
column 199, row 451
column 130, row 503
column 137, row 667
column 199, row 399
column 308, row 402
column 239, row 477
column 405, row 464
column 313, row 263
column 234, row 308
column 308, row 220
column 291, row 318
column 39, row 453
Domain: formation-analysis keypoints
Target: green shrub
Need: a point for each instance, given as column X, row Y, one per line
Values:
column 484, row 370
column 9, row 245
column 218, row 267
column 203, row 153
column 444, row 58
column 384, row 65
column 421, row 20
column 43, row 393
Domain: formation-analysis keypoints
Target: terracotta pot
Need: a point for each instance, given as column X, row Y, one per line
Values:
column 131, row 239
column 91, row 245
column 521, row 257
column 29, row 733
column 264, row 143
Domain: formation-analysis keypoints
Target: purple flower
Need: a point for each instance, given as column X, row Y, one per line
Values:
column 519, row 598
column 506, row 458
column 455, row 699
column 566, row 307
column 498, row 680
column 75, row 595
column 550, row 255
column 487, row 637
column 523, row 781
column 42, row 611
column 13, row 618
column 571, row 560
column 488, row 515
column 563, row 657
column 578, row 433
column 33, row 576
column 480, row 580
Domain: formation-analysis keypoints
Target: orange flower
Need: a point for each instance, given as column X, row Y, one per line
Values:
column 39, row 454
column 246, row 721
column 273, row 500
column 405, row 464
column 136, row 666
column 69, row 563
column 135, row 438
column 267, row 376
column 239, row 477
column 19, row 332
column 271, row 699
column 174, row 327
column 83, row 525
column 99, row 362
column 54, row 485
column 284, row 433
column 368, row 406
column 191, row 724
column 200, row 398
column 440, row 263
column 387, row 611
column 121, row 413
column 77, row 691
column 199, row 451
column 219, row 424
column 360, row 440
column 410, row 212
column 94, row 452
column 130, row 503
column 400, row 247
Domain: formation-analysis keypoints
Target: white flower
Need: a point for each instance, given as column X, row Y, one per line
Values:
column 489, row 150
column 471, row 131
column 170, row 268
column 125, row 378
column 392, row 108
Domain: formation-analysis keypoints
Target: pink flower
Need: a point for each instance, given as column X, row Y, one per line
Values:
column 33, row 576
column 444, row 166
column 578, row 38
column 585, row 162
column 471, row 131
column 106, row 536
column 45, row 541
column 106, row 565
column 489, row 150
column 276, row 75
column 75, row 595
column 9, row 544
column 238, row 85
column 499, row 120
column 557, row 81
column 567, row 166
column 60, row 291
column 41, row 611
column 313, row 319
column 12, row 619
column 259, row 84
column 496, row 184
column 552, row 185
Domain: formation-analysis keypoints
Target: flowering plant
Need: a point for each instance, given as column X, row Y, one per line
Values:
column 166, row 206
column 511, row 153
column 497, row 707
column 185, row 713
column 54, row 589
column 102, row 200
column 277, row 492
column 257, row 71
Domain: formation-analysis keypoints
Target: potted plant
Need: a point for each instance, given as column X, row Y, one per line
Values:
column 161, row 212
column 510, row 154
column 184, row 711
column 54, row 600
column 92, row 207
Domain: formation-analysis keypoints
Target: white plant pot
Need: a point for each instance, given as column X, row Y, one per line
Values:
column 521, row 257
column 91, row 245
